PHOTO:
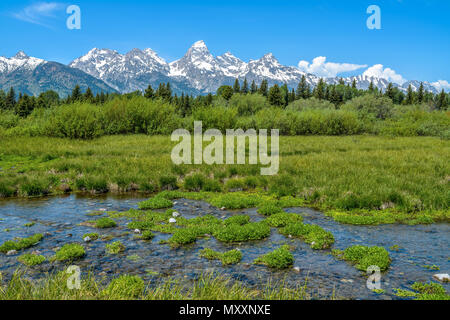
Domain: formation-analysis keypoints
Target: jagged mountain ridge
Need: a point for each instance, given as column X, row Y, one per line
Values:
column 198, row 71
column 32, row 76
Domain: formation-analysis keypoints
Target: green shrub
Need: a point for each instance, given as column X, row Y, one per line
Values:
column 70, row 252
column 31, row 260
column 105, row 223
column 283, row 185
column 115, row 247
column 124, row 288
column 280, row 258
column 168, row 182
column 21, row 244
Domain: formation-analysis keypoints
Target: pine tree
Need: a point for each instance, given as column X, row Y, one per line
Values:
column 253, row 87
column 149, row 92
column 244, row 89
column 390, row 91
column 420, row 93
column 292, row 96
column 237, row 86
column 354, row 84
column 2, row 100
column 275, row 96
column 442, row 101
column 285, row 93
column 319, row 91
column 371, row 87
column 10, row 101
column 76, row 94
column 302, row 89
column 264, row 88
column 410, row 96
column 88, row 96
column 25, row 106
column 209, row 99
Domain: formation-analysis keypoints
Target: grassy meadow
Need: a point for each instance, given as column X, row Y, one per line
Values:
column 347, row 175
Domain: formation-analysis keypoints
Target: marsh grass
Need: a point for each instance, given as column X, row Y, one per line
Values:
column 346, row 176
column 280, row 258
column 227, row 258
column 207, row 287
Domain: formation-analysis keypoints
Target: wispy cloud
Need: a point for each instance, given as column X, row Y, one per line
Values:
column 39, row 13
column 322, row 68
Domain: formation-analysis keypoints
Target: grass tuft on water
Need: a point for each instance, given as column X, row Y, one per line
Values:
column 363, row 257
column 280, row 258
column 227, row 258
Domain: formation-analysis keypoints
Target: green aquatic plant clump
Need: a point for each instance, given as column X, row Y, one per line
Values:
column 125, row 287
column 21, row 244
column 280, row 258
column 239, row 220
column 70, row 252
column 157, row 202
column 363, row 257
column 248, row 232
column 147, row 235
column 316, row 236
column 31, row 260
column 424, row 291
column 270, row 208
column 282, row 219
column 105, row 223
column 227, row 258
column 115, row 247
column 93, row 236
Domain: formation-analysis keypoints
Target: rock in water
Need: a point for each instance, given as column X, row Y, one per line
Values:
column 176, row 214
column 87, row 239
column 443, row 277
column 172, row 220
column 11, row 252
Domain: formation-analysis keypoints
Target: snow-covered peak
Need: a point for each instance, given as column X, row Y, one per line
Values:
column 200, row 45
column 232, row 66
column 21, row 55
column 20, row 60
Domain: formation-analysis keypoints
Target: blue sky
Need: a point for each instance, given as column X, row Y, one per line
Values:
column 413, row 42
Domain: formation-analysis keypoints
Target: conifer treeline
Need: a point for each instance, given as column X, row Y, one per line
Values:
column 279, row 96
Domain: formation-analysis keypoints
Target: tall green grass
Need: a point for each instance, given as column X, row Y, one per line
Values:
column 344, row 173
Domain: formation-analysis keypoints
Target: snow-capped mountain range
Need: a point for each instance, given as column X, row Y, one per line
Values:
column 197, row 72
column 32, row 76
column 200, row 71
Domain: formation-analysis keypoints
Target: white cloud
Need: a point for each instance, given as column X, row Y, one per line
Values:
column 441, row 84
column 379, row 71
column 322, row 68
column 38, row 13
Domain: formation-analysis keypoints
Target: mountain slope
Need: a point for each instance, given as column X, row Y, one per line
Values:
column 32, row 76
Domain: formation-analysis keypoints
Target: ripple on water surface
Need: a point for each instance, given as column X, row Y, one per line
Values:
column 59, row 219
